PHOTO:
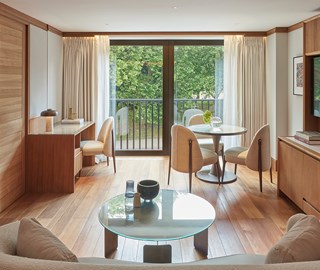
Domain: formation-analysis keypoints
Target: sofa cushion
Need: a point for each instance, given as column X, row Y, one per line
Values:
column 35, row 241
column 300, row 243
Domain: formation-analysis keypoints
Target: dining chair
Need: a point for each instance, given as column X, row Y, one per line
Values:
column 188, row 113
column 205, row 141
column 186, row 156
column 104, row 143
column 256, row 157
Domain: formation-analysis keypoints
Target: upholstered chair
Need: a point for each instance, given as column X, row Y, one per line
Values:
column 186, row 155
column 188, row 113
column 104, row 143
column 256, row 157
column 205, row 141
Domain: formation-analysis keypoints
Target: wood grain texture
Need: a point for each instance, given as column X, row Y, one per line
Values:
column 53, row 160
column 298, row 174
column 247, row 221
column 12, row 106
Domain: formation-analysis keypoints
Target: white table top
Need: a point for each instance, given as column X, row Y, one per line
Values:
column 223, row 130
column 67, row 129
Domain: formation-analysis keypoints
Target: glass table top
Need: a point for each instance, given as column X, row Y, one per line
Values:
column 171, row 215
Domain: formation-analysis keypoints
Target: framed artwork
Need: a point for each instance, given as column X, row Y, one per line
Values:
column 298, row 75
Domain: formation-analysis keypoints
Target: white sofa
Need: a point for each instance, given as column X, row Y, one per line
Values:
column 10, row 261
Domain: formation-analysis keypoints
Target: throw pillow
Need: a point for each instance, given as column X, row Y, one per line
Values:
column 300, row 243
column 293, row 220
column 35, row 241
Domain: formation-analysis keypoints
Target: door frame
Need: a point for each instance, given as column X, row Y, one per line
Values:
column 167, row 83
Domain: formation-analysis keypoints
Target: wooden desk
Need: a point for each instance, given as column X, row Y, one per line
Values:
column 54, row 159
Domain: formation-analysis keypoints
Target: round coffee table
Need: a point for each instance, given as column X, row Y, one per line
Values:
column 170, row 216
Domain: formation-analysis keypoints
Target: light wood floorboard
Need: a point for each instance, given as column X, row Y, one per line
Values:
column 247, row 221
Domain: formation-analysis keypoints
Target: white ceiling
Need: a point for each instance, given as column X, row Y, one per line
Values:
column 167, row 15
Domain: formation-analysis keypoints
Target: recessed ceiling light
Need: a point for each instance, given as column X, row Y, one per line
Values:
column 174, row 7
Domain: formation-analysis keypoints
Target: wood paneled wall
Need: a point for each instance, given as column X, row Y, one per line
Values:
column 12, row 110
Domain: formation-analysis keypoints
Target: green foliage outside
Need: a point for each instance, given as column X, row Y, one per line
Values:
column 136, row 73
column 139, row 71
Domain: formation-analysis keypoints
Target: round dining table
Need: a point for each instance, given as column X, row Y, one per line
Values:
column 212, row 173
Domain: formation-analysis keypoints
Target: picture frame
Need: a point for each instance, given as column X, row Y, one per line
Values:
column 298, row 75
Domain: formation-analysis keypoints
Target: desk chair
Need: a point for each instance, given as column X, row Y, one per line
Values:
column 104, row 143
column 205, row 141
column 256, row 157
column 186, row 155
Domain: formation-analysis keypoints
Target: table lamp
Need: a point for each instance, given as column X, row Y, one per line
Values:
column 49, row 114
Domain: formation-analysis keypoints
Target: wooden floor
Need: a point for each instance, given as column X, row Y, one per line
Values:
column 247, row 221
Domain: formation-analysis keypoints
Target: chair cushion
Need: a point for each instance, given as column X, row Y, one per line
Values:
column 91, row 148
column 35, row 241
column 236, row 155
column 208, row 144
column 300, row 243
column 209, row 156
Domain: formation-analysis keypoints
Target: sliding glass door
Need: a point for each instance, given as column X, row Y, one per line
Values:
column 152, row 84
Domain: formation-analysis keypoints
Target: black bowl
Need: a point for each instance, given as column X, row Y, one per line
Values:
column 148, row 189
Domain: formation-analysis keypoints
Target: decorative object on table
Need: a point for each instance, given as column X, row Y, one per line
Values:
column 207, row 117
column 73, row 121
column 129, row 189
column 298, row 75
column 137, row 200
column 129, row 200
column 309, row 137
column 148, row 189
column 71, row 115
column 215, row 121
column 49, row 114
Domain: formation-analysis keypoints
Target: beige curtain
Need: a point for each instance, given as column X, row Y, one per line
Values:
column 253, row 86
column 79, row 76
column 244, row 86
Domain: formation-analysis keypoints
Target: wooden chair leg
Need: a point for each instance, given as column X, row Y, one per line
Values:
column 113, row 154
column 218, row 172
column 190, row 165
column 260, row 163
column 107, row 161
column 260, row 180
column 223, row 169
column 271, row 171
column 235, row 168
column 169, row 170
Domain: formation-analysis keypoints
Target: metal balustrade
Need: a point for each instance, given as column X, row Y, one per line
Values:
column 138, row 122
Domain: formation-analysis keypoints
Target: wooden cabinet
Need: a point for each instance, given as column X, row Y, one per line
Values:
column 53, row 159
column 299, row 174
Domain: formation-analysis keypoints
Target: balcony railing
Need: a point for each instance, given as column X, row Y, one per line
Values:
column 138, row 122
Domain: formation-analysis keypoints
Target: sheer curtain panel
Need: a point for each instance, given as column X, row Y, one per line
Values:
column 245, row 86
column 79, row 76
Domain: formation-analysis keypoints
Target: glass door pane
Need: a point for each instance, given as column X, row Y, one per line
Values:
column 136, row 96
column 198, row 81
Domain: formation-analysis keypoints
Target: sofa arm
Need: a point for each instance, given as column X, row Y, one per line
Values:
column 244, row 259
